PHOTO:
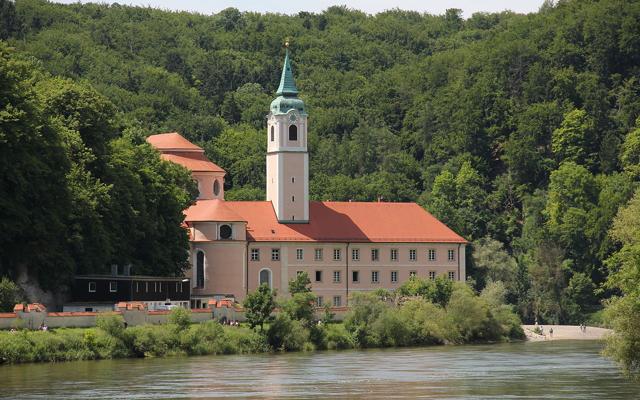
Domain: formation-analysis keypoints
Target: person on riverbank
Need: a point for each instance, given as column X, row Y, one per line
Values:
column 551, row 333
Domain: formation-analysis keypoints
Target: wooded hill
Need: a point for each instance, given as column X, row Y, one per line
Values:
column 521, row 132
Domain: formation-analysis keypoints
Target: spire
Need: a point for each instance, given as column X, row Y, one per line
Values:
column 287, row 86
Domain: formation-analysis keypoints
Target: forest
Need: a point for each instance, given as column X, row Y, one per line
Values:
column 521, row 132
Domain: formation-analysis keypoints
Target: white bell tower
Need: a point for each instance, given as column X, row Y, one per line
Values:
column 287, row 156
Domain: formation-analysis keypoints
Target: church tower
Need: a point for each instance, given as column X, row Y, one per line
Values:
column 287, row 156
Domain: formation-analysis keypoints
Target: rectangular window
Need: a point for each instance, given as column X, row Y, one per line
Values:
column 412, row 274
column 336, row 276
column 394, row 254
column 318, row 276
column 432, row 275
column 355, row 276
column 337, row 301
column 432, row 255
column 92, row 287
column 113, row 287
column 255, row 254
column 375, row 255
column 374, row 277
column 336, row 255
column 177, row 284
column 319, row 301
column 137, row 287
column 394, row 276
column 355, row 254
column 146, row 287
column 450, row 255
column 452, row 275
column 317, row 255
column 412, row 255
column 275, row 254
column 299, row 254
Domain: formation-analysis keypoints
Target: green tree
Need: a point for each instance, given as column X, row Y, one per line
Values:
column 300, row 284
column 623, row 312
column 570, row 142
column 259, row 305
column 10, row 295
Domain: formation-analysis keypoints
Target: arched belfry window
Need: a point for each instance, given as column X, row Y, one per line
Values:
column 216, row 187
column 273, row 135
column 265, row 277
column 200, row 269
column 293, row 132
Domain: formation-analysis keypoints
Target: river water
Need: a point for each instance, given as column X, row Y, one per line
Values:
column 550, row 370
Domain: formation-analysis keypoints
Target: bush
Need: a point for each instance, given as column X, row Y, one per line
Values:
column 112, row 324
column 338, row 337
column 181, row 318
column 10, row 295
column 286, row 334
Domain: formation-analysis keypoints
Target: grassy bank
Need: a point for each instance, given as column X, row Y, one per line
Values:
column 450, row 315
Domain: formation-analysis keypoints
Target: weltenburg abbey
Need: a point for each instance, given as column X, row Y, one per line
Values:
column 343, row 246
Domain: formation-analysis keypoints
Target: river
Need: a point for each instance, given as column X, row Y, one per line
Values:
column 550, row 370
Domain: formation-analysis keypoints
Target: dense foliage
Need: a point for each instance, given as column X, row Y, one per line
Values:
column 519, row 131
column 78, row 194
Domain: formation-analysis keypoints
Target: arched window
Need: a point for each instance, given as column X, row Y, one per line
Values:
column 273, row 135
column 293, row 132
column 216, row 187
column 200, row 269
column 265, row 277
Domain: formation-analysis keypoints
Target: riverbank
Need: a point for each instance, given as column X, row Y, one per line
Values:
column 564, row 332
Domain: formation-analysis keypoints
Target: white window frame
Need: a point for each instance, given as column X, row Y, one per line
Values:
column 431, row 255
column 299, row 254
column 275, row 254
column 318, row 254
column 452, row 275
column 336, row 277
column 375, row 255
column 394, row 276
column 94, row 287
column 111, row 286
column 451, row 255
column 413, row 274
column 413, row 255
column 319, row 301
column 377, row 275
column 337, row 301
column 393, row 255
column 255, row 254
column 355, row 254
column 337, row 254
column 432, row 275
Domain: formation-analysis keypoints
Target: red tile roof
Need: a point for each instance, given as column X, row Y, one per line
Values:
column 212, row 210
column 334, row 222
column 179, row 150
column 172, row 141
column 197, row 162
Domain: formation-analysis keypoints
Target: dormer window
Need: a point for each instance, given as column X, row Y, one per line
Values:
column 293, row 132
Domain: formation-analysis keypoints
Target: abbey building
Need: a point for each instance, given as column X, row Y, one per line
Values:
column 343, row 246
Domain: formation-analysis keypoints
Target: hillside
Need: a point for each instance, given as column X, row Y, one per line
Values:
column 521, row 132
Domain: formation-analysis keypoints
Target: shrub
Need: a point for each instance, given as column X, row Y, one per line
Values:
column 338, row 337
column 286, row 334
column 112, row 324
column 181, row 318
column 10, row 295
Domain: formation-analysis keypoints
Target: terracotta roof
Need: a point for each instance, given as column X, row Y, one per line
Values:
column 212, row 210
column 334, row 222
column 175, row 148
column 172, row 141
column 193, row 161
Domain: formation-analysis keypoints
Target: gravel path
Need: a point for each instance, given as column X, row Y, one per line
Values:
column 565, row 332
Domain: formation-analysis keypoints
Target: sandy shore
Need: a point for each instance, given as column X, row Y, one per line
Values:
column 565, row 332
